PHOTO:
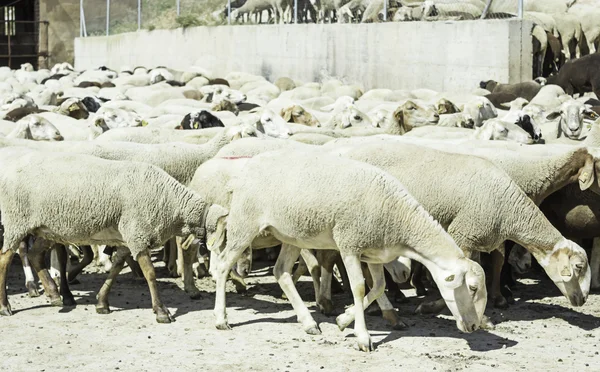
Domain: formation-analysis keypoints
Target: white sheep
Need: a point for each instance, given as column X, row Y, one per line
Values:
column 448, row 192
column 118, row 214
column 398, row 227
column 491, row 130
column 31, row 127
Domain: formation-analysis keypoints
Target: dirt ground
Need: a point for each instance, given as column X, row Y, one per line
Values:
column 541, row 331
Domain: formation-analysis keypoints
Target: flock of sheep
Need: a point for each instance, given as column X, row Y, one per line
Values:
column 386, row 185
column 562, row 29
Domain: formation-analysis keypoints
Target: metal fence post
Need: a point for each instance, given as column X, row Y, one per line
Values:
column 520, row 9
column 295, row 11
column 178, row 8
column 80, row 18
column 384, row 10
column 139, row 14
column 228, row 12
column 107, row 17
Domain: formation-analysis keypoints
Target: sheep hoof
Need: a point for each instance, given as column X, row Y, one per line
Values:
column 100, row 309
column 32, row 289
column 69, row 301
column 6, row 311
column 325, row 307
column 223, row 326
column 313, row 330
column 500, row 303
column 365, row 344
column 56, row 301
column 164, row 318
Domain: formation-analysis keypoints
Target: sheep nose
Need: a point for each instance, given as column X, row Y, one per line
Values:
column 58, row 137
column 536, row 137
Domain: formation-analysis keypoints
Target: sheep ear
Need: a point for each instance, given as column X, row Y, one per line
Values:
column 559, row 129
column 586, row 174
column 216, row 226
column 553, row 115
column 259, row 127
column 346, row 121
column 286, row 114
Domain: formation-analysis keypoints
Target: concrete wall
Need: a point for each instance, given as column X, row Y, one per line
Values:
column 435, row 55
column 63, row 16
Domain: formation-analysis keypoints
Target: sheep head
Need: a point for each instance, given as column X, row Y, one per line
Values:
column 567, row 266
column 571, row 115
column 38, row 128
column 297, row 114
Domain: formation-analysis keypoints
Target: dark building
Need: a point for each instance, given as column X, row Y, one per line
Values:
column 21, row 34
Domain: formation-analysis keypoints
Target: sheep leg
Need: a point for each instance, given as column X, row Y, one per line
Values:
column 282, row 272
column 36, row 257
column 327, row 260
column 161, row 311
column 187, row 259
column 29, row 278
column 5, row 260
column 376, row 281
column 65, row 292
column 222, row 266
column 88, row 257
column 179, row 260
column 357, row 283
column 595, row 264
column 497, row 263
column 134, row 267
column 172, row 264
column 102, row 307
column 416, row 281
column 394, row 289
column 54, row 266
column 310, row 260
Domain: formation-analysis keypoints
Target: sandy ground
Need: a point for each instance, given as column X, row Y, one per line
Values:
column 541, row 331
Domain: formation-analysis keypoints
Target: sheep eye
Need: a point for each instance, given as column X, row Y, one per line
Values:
column 357, row 117
column 579, row 266
column 473, row 288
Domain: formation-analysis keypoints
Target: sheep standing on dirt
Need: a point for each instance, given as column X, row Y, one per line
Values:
column 383, row 223
column 502, row 210
column 115, row 212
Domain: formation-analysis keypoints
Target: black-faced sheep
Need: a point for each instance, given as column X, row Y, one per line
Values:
column 200, row 120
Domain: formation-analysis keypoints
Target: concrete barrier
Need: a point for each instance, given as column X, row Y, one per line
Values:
column 409, row 55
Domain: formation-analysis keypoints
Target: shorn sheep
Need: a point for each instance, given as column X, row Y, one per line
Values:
column 375, row 219
column 116, row 213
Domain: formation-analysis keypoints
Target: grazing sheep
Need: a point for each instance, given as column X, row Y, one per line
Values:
column 398, row 227
column 117, row 215
column 455, row 201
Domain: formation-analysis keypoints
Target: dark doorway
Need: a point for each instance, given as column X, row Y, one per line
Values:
column 19, row 33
